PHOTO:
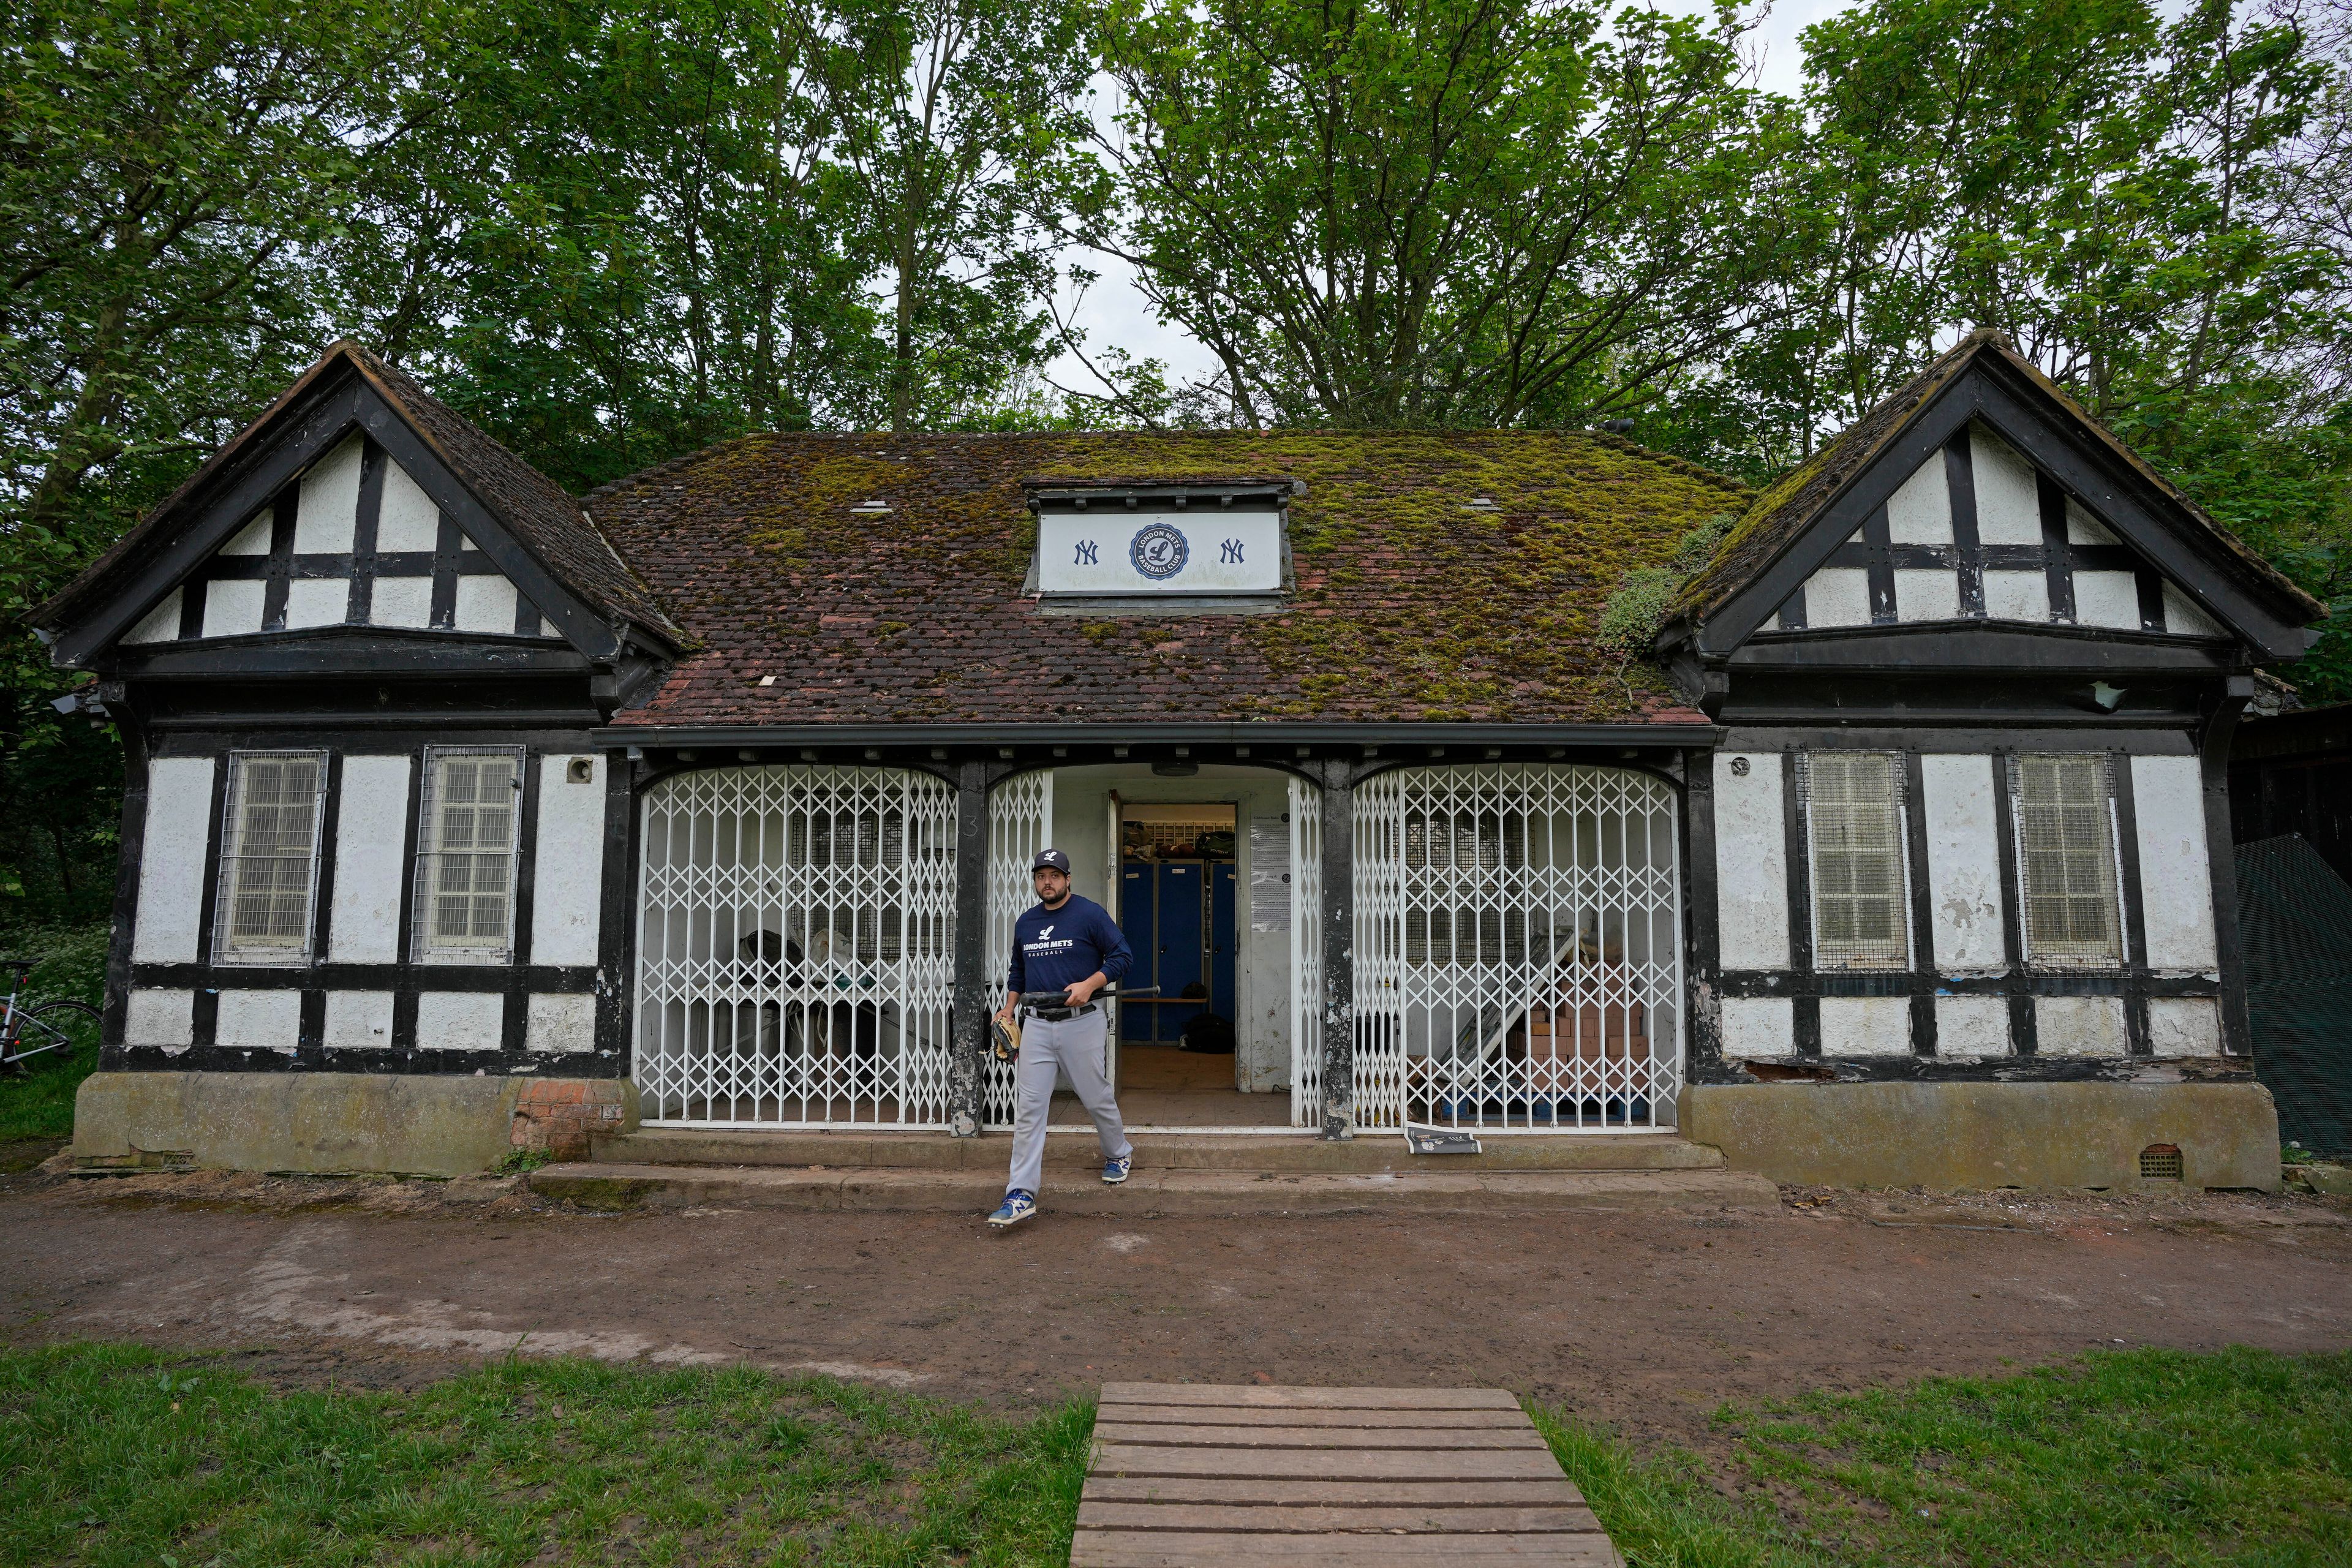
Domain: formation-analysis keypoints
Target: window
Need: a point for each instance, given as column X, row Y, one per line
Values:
column 270, row 856
column 2066, row 860
column 1854, row 814
column 466, row 855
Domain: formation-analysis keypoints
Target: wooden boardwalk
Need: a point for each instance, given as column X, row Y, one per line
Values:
column 1198, row 1476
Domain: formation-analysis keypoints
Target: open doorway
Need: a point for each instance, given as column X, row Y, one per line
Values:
column 1177, row 865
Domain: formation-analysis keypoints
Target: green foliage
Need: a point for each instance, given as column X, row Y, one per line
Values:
column 1445, row 212
column 524, row 1162
column 2123, row 1458
column 1636, row 612
column 121, row 1454
column 69, row 965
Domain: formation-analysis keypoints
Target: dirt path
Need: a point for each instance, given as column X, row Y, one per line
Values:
column 1642, row 1322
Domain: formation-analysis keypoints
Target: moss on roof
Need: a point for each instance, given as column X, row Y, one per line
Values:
column 1407, row 606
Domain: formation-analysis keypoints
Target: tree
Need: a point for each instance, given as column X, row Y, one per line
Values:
column 1474, row 212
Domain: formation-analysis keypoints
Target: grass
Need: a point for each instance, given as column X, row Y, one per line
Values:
column 119, row 1457
column 2128, row 1457
column 115, row 1456
column 69, row 963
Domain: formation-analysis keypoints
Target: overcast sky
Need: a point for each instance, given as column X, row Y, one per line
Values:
column 1113, row 315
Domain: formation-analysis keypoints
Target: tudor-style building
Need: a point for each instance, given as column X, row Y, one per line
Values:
column 709, row 797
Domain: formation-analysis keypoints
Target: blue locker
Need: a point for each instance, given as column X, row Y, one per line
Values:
column 1181, row 906
column 1138, row 905
column 1221, row 940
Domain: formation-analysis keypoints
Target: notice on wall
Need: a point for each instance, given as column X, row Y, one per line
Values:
column 1269, row 873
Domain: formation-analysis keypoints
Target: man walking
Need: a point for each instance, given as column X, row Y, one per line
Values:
column 1070, row 945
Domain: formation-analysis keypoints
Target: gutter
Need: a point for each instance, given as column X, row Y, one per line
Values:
column 1159, row 736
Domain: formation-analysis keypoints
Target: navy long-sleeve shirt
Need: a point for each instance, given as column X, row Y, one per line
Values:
column 1054, row 949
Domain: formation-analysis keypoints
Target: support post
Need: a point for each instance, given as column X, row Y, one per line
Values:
column 1338, row 783
column 967, row 1033
column 2222, row 710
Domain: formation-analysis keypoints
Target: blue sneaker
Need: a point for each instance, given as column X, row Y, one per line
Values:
column 1115, row 1172
column 1018, row 1205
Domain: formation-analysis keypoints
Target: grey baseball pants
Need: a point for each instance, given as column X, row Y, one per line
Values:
column 1075, row 1046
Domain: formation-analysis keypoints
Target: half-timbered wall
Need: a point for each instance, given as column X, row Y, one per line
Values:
column 1973, row 979
column 1978, row 533
column 354, row 542
column 368, row 983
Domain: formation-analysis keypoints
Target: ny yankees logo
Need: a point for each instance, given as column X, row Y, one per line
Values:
column 1086, row 554
column 1233, row 552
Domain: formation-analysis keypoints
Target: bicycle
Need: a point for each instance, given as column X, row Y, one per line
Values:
column 27, row 1032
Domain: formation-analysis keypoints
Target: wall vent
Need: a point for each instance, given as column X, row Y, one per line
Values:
column 2160, row 1163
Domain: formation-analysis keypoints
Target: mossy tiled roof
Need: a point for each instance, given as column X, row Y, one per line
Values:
column 1407, row 606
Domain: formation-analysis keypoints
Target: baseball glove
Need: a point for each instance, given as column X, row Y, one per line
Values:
column 1005, row 1038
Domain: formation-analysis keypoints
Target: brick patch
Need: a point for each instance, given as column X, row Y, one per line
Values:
column 559, row 1115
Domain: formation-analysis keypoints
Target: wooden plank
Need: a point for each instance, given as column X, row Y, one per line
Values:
column 1277, row 1396
column 1169, row 1549
column 1295, row 1416
column 1140, row 1433
column 1254, row 1519
column 1556, row 1491
column 1333, row 1464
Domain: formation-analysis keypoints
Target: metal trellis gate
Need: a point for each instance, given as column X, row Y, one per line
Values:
column 1517, row 949
column 1305, row 954
column 794, row 939
column 1019, row 823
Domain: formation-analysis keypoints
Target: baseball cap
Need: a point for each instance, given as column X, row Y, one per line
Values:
column 1053, row 857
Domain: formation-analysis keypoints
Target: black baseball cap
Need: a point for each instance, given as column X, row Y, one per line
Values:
column 1053, row 857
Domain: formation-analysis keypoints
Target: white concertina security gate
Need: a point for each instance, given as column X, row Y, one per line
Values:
column 1517, row 949
column 794, row 948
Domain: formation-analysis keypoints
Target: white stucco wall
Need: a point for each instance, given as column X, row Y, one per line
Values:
column 172, row 861
column 1920, row 512
column 2184, row 1026
column 370, row 867
column 2107, row 599
column 561, row 1023
column 160, row 624
column 160, row 1017
column 1963, row 833
column 2009, row 502
column 316, row 602
column 568, row 862
column 1865, row 1026
column 485, row 603
column 401, row 602
column 1927, row 595
column 2017, row 596
column 330, row 503
column 233, row 607
column 406, row 520
column 1758, row 1026
column 2175, row 879
column 1972, row 1026
column 359, row 1020
column 2079, row 1025
column 1838, row 597
column 254, row 1019
column 460, row 1020
column 1751, row 859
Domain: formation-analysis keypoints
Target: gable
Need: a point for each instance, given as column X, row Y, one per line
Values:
column 353, row 540
column 1998, row 503
column 359, row 504
column 1977, row 532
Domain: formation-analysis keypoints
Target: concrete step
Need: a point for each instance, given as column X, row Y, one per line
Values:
column 1176, row 1193
column 1370, row 1155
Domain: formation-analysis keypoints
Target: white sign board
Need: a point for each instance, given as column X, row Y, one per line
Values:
column 1204, row 551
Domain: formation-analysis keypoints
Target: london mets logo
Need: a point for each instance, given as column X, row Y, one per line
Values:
column 1159, row 551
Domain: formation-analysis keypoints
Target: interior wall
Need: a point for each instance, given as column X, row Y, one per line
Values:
column 1261, row 962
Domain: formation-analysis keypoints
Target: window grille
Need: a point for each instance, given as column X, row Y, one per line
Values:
column 795, row 940
column 1853, row 819
column 270, row 856
column 1518, row 950
column 466, row 845
column 2066, row 860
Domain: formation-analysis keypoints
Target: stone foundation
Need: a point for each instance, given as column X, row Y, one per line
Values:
column 324, row 1124
column 1956, row 1136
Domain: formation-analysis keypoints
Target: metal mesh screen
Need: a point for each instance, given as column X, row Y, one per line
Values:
column 1019, row 823
column 465, row 848
column 2066, row 859
column 793, row 951
column 1305, row 954
column 1517, row 949
column 1854, row 817
column 270, row 856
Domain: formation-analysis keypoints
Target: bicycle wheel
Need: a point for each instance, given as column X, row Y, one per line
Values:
column 63, row 1028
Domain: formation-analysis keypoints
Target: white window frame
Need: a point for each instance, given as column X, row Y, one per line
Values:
column 430, row 852
column 1854, row 957
column 227, row 947
column 2112, row 867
